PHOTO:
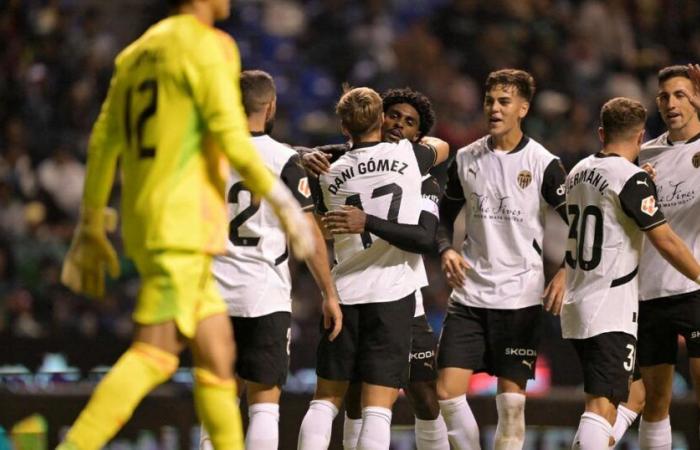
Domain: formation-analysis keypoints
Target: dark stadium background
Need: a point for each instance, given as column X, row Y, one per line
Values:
column 55, row 64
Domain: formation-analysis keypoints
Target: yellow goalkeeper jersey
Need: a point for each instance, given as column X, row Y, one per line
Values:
column 173, row 116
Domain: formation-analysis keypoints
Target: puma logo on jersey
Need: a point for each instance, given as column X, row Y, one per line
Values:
column 472, row 171
column 649, row 206
column 304, row 188
column 644, row 182
column 428, row 365
column 527, row 363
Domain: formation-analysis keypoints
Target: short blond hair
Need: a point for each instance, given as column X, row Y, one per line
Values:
column 360, row 110
column 621, row 117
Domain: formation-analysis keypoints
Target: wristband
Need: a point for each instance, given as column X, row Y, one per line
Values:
column 443, row 245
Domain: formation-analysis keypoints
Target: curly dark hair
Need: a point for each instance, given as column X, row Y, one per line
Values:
column 414, row 98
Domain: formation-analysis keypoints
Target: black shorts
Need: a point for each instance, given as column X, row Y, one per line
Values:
column 501, row 342
column 423, row 349
column 661, row 321
column 373, row 346
column 608, row 364
column 262, row 347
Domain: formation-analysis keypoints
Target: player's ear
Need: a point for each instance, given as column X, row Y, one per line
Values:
column 640, row 137
column 345, row 131
column 524, row 108
column 271, row 109
column 601, row 134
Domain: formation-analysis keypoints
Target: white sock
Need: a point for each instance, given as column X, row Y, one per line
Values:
column 263, row 426
column 204, row 439
column 655, row 435
column 351, row 432
column 593, row 433
column 625, row 418
column 462, row 430
column 431, row 434
column 316, row 428
column 510, row 431
column 376, row 429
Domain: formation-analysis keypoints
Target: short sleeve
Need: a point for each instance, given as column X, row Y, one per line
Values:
column 554, row 184
column 453, row 190
column 295, row 178
column 426, row 155
column 639, row 200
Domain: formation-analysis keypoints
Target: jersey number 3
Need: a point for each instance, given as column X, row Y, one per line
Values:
column 592, row 216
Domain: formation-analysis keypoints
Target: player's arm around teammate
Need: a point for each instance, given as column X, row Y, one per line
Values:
column 408, row 114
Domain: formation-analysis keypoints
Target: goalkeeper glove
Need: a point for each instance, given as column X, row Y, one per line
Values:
column 292, row 218
column 91, row 253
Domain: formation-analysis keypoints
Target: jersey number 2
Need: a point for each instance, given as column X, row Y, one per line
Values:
column 241, row 217
column 146, row 113
column 577, row 232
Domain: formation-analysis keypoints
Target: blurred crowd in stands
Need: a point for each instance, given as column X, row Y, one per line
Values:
column 56, row 60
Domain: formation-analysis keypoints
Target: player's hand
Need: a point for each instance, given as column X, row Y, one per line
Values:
column 455, row 268
column 332, row 317
column 91, row 254
column 649, row 169
column 553, row 296
column 316, row 162
column 347, row 220
column 291, row 217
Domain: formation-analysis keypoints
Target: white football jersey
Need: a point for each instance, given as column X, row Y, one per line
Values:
column 383, row 179
column 506, row 195
column 609, row 202
column 678, row 184
column 253, row 275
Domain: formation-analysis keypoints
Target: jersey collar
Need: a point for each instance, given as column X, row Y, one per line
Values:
column 692, row 139
column 364, row 144
column 606, row 155
column 257, row 133
column 521, row 145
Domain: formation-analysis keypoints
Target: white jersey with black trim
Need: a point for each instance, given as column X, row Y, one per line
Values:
column 253, row 275
column 610, row 203
column 678, row 183
column 383, row 179
column 506, row 195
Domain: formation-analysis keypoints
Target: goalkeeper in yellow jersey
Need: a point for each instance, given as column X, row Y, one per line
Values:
column 173, row 117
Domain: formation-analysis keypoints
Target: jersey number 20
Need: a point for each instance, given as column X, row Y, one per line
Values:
column 578, row 224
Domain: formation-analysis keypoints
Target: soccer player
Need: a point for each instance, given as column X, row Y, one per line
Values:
column 669, row 302
column 408, row 114
column 376, row 281
column 611, row 204
column 493, row 321
column 253, row 276
column 172, row 116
